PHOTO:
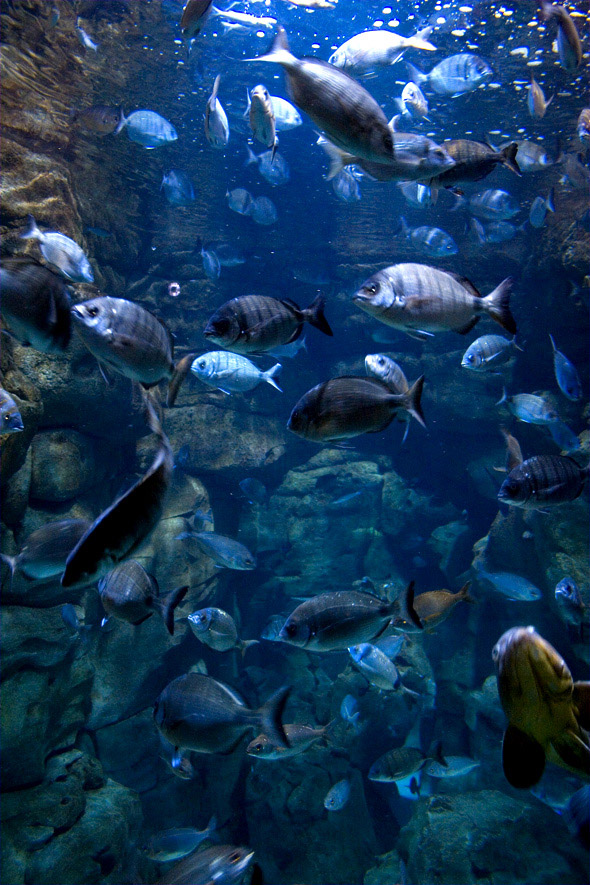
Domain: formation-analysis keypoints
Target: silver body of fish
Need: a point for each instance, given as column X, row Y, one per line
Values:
column 370, row 50
column 61, row 252
column 488, row 352
column 232, row 372
column 10, row 417
column 148, row 129
column 262, row 118
column 225, row 552
column 216, row 125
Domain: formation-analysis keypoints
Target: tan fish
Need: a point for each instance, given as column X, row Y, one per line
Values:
column 435, row 606
column 548, row 714
column 262, row 118
column 513, row 452
column 402, row 762
column 130, row 594
column 102, row 119
column 569, row 46
column 300, row 738
column 536, row 101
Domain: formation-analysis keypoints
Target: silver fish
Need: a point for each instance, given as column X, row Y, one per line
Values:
column 286, row 115
column 513, row 586
column 454, row 75
column 86, row 41
column 532, row 157
column 346, row 187
column 376, row 667
column 488, row 352
column 493, row 205
column 349, row 711
column 529, row 408
column 176, row 843
column 300, row 738
column 217, row 629
column 414, row 102
column 216, row 125
column 61, row 252
column 456, row 766
column 571, row 608
column 211, row 264
column 10, row 417
column 417, row 195
column 262, row 118
column 232, row 372
column 239, row 200
column 366, row 52
column 148, row 129
column 225, row 552
column 263, row 211
column 178, row 188
column 536, row 103
column 432, row 241
column 275, row 169
column 337, row 796
column 539, row 208
column 130, row 594
column 569, row 46
column 45, row 551
column 388, row 371
column 566, row 374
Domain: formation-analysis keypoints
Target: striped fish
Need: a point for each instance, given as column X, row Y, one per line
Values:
column 542, row 481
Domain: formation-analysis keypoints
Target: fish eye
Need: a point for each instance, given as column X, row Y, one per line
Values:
column 495, row 653
column 380, row 360
column 257, row 747
column 470, row 358
column 510, row 488
column 372, row 288
column 201, row 364
column 92, row 311
column 290, row 629
column 234, row 857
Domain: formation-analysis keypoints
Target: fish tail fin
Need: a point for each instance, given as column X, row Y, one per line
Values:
column 437, row 754
column 181, row 370
column 550, row 201
column 245, row 644
column 338, row 159
column 503, row 399
column 271, row 714
column 314, row 314
column 419, row 41
column 415, row 74
column 509, row 157
column 211, row 828
column 252, row 158
column 330, row 727
column 122, row 122
column 424, row 33
column 274, row 149
column 412, row 401
column 497, row 303
column 405, row 606
column 464, row 593
column 272, row 374
column 405, row 229
column 406, row 432
column 10, row 561
column 279, row 51
column 552, row 343
column 32, row 232
column 545, row 10
column 213, row 96
column 169, row 604
column 246, row 113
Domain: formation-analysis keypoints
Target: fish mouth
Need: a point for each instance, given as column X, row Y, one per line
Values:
column 359, row 296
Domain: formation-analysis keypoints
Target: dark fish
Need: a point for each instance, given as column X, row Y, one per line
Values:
column 415, row 157
column 199, row 713
column 194, row 16
column 348, row 406
column 44, row 553
column 99, row 118
column 225, row 552
column 402, row 762
column 254, row 491
column 475, row 160
column 341, row 107
column 35, row 304
column 255, row 323
column 116, row 533
column 569, row 46
column 543, row 481
column 178, row 842
column 335, row 621
column 577, row 815
column 223, row 865
column 132, row 341
column 131, row 594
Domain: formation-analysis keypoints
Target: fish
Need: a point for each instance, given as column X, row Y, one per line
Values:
column 225, row 552
column 119, row 529
column 257, row 323
column 10, row 417
column 484, row 702
column 577, row 817
column 414, row 157
column 147, row 128
column 86, row 41
column 350, row 712
column 495, row 231
column 314, row 4
column 299, row 737
column 488, row 352
column 529, row 408
column 569, row 46
column 564, row 436
column 215, row 628
column 416, row 194
column 346, row 187
column 200, row 713
column 403, row 762
column 239, row 200
column 246, row 19
column 99, row 118
column 254, row 491
column 222, row 865
column 388, row 371
column 78, row 631
column 543, row 481
column 456, row 766
column 474, row 160
column 454, row 75
column 532, row 157
column 229, row 256
column 345, row 407
column 539, row 208
column 273, row 628
column 211, row 264
column 62, row 253
column 337, row 796
column 194, row 17
column 335, row 621
column 515, row 587
column 275, row 169
column 432, row 241
column 547, row 712
column 342, row 109
column 391, row 645
column 435, row 606
column 263, row 211
column 131, row 341
column 566, row 374
column 571, row 608
column 365, row 52
column 513, row 451
column 179, row 764
column 131, row 594
column 377, row 668
column 216, row 125
column 493, row 205
column 286, row 115
column 536, row 103
column 420, row 300
column 178, row 842
column 583, row 127
column 413, row 101
column 262, row 118
column 45, row 551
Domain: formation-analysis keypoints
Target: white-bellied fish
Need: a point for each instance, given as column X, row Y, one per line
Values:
column 45, row 551
column 493, row 205
column 148, row 129
column 417, row 195
column 432, row 241
column 529, row 408
column 232, row 372
column 61, row 252
column 275, row 169
column 488, row 352
column 131, row 594
column 377, row 668
column 413, row 101
column 178, row 188
column 225, row 552
column 539, row 208
column 512, row 586
column 211, row 264
column 173, row 844
column 262, row 118
column 217, row 629
column 536, row 103
column 10, row 417
column 337, row 796
column 350, row 713
column 299, row 737
column 84, row 38
column 216, row 125
column 454, row 75
column 239, row 200
column 566, row 374
column 543, row 481
column 370, row 50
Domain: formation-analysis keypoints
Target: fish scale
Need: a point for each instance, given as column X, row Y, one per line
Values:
column 543, row 480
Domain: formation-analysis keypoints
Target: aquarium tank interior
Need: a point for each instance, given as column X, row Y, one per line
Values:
column 294, row 442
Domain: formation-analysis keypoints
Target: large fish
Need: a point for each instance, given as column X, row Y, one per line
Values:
column 369, row 50
column 116, row 533
column 193, row 18
column 335, row 621
column 475, row 160
column 348, row 115
column 35, row 305
column 548, row 713
column 61, row 252
column 219, row 865
column 416, row 157
column 454, row 75
column 420, row 300
column 255, row 323
column 130, row 594
column 345, row 407
column 45, row 551
column 199, row 713
column 132, row 341
column 543, row 481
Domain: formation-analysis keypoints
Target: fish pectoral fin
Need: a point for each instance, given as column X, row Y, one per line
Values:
column 123, row 341
column 227, row 374
column 581, row 699
column 463, row 330
column 108, row 379
column 419, row 334
column 573, row 752
column 141, row 620
column 523, row 758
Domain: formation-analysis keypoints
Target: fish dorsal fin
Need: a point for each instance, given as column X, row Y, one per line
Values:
column 467, row 284
column 234, row 695
column 573, row 751
column 290, row 303
column 523, row 758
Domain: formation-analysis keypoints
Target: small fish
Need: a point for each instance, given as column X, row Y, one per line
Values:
column 403, row 762
column 513, row 586
column 435, row 606
column 543, row 481
column 495, row 231
column 454, row 75
column 388, row 371
column 583, row 127
column 432, row 241
column 286, row 115
column 566, row 374
column 275, row 169
column 536, row 103
column 10, row 417
column 199, row 713
column 78, row 631
column 180, row 765
column 529, row 408
column 99, row 232
column 569, row 46
column 254, row 491
column 564, row 436
column 263, row 211
column 229, row 256
column 577, row 815
column 337, row 796
column 178, row 188
column 314, row 4
column 366, row 52
column 102, row 119
column 539, row 208
column 488, row 352
column 570, row 606
column 218, row 630
column 456, row 766
column 300, row 738
column 130, row 594
column 176, row 843
column 61, row 252
column 246, row 19
column 349, row 711
column 232, row 372
column 513, row 451
column 45, row 551
column 493, row 205
column 194, row 17
column 147, row 128
column 86, row 41
column 414, row 102
column 391, row 645
column 377, row 668
column 216, row 125
column 346, row 187
column 225, row 552
column 211, row 264
column 262, row 118
column 221, row 865
column 273, row 629
column 239, row 200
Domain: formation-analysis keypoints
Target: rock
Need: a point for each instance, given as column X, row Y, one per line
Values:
column 449, row 545
column 64, row 465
